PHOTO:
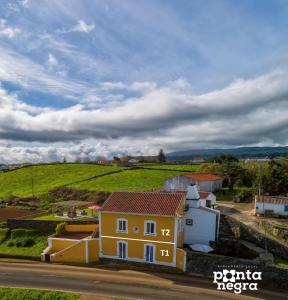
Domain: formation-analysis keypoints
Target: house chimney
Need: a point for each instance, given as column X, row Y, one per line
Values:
column 192, row 197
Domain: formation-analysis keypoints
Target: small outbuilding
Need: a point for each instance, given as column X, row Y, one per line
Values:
column 204, row 182
column 271, row 205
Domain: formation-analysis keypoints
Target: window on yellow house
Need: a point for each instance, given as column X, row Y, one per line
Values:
column 122, row 225
column 150, row 228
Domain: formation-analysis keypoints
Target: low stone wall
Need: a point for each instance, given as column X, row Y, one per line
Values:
column 229, row 225
column 42, row 225
column 205, row 264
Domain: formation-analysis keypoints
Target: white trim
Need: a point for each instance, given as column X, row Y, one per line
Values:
column 130, row 239
column 126, row 250
column 185, row 258
column 99, row 231
column 145, row 228
column 156, row 262
column 144, row 214
column 175, row 239
column 63, row 239
column 117, row 224
column 154, row 253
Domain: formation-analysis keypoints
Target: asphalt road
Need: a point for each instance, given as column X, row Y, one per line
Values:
column 117, row 283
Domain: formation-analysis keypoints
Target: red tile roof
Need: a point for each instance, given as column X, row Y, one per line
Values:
column 204, row 195
column 202, row 177
column 164, row 204
column 272, row 199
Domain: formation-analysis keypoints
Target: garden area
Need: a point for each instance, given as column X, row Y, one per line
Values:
column 27, row 243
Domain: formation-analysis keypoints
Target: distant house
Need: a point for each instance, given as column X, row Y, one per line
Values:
column 277, row 205
column 197, row 159
column 145, row 158
column 201, row 223
column 133, row 161
column 204, row 182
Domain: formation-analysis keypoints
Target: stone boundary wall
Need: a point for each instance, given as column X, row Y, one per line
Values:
column 42, row 225
column 205, row 264
column 248, row 233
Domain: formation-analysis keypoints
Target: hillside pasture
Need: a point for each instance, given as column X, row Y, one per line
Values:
column 140, row 180
column 40, row 179
column 173, row 167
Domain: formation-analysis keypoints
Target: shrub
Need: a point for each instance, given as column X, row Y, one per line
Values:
column 18, row 244
column 59, row 229
column 28, row 242
column 10, row 244
column 20, row 233
column 3, row 234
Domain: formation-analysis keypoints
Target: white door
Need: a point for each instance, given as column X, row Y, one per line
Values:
column 122, row 250
column 149, row 253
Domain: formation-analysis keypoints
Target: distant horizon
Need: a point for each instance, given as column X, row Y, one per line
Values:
column 104, row 78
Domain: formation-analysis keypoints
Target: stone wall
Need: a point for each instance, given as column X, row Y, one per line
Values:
column 42, row 225
column 205, row 264
column 231, row 227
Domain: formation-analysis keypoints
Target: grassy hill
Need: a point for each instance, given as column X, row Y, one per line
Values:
column 130, row 180
column 47, row 177
column 82, row 176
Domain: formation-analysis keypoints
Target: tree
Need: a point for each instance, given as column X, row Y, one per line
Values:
column 161, row 156
column 223, row 158
column 231, row 171
column 274, row 179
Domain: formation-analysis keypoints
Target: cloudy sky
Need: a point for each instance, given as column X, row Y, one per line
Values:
column 103, row 77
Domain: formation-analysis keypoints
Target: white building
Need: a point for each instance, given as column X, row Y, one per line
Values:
column 204, row 182
column 201, row 223
column 271, row 204
column 207, row 199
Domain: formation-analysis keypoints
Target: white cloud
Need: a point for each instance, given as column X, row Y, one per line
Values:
column 247, row 112
column 52, row 61
column 82, row 26
column 8, row 31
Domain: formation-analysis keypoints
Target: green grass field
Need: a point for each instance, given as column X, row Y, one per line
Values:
column 186, row 168
column 130, row 180
column 47, row 177
column 31, row 294
column 13, row 245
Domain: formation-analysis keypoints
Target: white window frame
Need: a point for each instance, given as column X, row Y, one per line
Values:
column 126, row 248
column 118, row 229
column 154, row 253
column 145, row 228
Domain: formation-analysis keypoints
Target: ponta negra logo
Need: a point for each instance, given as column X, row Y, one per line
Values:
column 237, row 281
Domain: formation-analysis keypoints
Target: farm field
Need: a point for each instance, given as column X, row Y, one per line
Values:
column 128, row 180
column 46, row 177
column 11, row 212
column 185, row 168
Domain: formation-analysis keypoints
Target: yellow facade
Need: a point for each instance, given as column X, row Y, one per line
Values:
column 81, row 227
column 164, row 241
column 181, row 259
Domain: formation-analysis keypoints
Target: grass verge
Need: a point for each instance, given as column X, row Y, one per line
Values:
column 31, row 294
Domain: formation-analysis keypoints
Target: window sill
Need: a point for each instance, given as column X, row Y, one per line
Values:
column 150, row 234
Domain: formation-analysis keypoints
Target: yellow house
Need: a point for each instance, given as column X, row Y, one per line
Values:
column 143, row 227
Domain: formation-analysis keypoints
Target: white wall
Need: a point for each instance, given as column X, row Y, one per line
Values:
column 182, row 182
column 277, row 208
column 204, row 226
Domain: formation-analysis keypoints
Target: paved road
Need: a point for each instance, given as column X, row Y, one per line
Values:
column 121, row 283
